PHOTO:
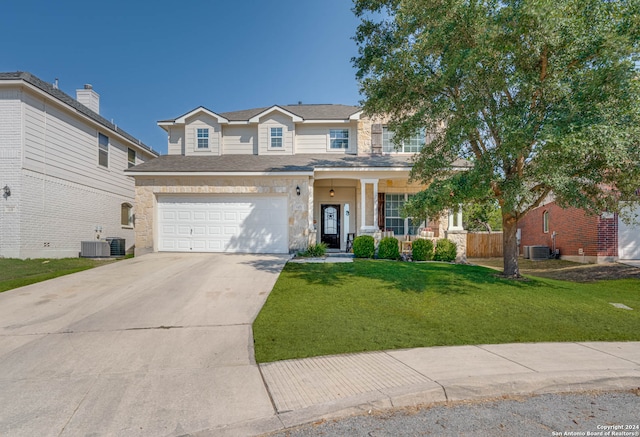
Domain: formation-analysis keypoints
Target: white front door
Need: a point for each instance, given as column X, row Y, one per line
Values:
column 629, row 237
column 223, row 224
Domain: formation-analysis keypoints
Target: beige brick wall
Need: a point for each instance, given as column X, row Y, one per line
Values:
column 147, row 189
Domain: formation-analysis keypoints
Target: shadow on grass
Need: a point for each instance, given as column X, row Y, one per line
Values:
column 443, row 278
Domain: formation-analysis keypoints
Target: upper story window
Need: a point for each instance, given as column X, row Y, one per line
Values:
column 413, row 145
column 202, row 136
column 103, row 150
column 131, row 158
column 276, row 138
column 339, row 139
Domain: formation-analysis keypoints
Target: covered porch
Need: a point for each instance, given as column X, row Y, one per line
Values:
column 346, row 204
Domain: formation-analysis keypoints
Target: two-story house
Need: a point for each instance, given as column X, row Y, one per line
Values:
column 62, row 165
column 274, row 180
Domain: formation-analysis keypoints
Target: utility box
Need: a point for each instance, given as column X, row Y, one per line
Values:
column 116, row 246
column 539, row 253
column 95, row 249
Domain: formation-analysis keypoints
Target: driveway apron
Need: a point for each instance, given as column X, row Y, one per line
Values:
column 155, row 345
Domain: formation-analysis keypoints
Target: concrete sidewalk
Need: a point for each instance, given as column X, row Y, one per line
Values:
column 311, row 389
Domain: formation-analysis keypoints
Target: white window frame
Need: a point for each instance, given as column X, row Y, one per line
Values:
column 131, row 163
column 337, row 135
column 127, row 208
column 276, row 133
column 103, row 150
column 416, row 142
column 407, row 225
column 545, row 221
column 202, row 133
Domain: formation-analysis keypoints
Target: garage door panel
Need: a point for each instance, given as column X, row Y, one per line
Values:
column 223, row 224
column 200, row 216
column 183, row 215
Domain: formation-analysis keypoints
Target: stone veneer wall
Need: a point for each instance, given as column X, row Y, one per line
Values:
column 460, row 238
column 147, row 189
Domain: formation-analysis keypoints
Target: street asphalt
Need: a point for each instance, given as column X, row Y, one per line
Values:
column 161, row 345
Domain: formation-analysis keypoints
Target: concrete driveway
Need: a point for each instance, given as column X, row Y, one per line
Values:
column 156, row 345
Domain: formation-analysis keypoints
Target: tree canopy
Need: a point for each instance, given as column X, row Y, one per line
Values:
column 542, row 96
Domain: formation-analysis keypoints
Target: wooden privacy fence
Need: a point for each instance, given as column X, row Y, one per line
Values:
column 484, row 244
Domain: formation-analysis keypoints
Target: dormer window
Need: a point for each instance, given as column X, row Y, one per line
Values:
column 339, row 139
column 275, row 138
column 203, row 138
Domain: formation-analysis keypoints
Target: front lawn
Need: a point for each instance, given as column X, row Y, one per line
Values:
column 322, row 309
column 16, row 273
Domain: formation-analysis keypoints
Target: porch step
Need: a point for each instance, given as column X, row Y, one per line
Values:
column 339, row 254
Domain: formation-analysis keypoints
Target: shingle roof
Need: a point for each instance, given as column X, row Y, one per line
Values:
column 65, row 98
column 305, row 111
column 272, row 163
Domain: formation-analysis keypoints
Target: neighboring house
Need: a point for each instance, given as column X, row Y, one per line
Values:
column 274, row 180
column 581, row 237
column 61, row 170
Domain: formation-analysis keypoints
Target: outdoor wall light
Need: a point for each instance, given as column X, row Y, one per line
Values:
column 298, row 190
column 6, row 191
column 332, row 193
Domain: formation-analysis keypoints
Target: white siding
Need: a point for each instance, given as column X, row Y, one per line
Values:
column 10, row 164
column 315, row 138
column 176, row 141
column 240, row 140
column 202, row 121
column 288, row 130
column 59, row 145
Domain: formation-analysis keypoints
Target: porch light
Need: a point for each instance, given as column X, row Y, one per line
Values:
column 298, row 190
column 6, row 191
column 331, row 192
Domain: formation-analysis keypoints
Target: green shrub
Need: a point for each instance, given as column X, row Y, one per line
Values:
column 446, row 250
column 422, row 250
column 364, row 246
column 315, row 250
column 388, row 248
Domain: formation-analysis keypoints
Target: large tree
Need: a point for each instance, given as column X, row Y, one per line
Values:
column 541, row 96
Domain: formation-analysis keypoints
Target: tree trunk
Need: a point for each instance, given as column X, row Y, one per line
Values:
column 510, row 245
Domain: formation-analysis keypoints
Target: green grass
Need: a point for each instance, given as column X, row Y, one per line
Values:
column 322, row 309
column 16, row 273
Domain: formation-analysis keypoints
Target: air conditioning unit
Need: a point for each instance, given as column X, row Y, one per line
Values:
column 538, row 253
column 95, row 249
column 527, row 252
column 117, row 245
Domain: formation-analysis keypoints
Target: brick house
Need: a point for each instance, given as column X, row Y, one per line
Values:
column 579, row 236
column 62, row 166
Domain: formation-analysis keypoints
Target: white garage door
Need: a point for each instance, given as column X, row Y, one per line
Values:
column 629, row 238
column 223, row 224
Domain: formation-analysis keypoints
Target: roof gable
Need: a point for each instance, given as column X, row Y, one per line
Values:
column 199, row 110
column 256, row 118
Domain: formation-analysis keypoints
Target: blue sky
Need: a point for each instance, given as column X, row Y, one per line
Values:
column 151, row 61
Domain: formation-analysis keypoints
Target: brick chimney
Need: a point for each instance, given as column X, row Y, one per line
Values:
column 89, row 98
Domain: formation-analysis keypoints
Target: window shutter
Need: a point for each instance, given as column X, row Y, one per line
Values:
column 376, row 138
column 381, row 225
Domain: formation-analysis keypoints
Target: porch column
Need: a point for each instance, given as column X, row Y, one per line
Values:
column 363, row 204
column 455, row 219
